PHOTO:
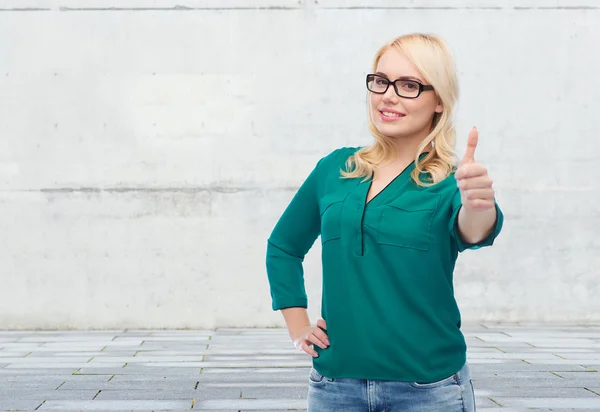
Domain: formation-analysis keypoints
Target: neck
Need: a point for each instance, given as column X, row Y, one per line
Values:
column 406, row 147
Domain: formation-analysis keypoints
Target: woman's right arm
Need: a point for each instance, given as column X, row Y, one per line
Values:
column 291, row 239
column 293, row 236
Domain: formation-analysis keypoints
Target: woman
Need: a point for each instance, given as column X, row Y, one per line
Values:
column 393, row 217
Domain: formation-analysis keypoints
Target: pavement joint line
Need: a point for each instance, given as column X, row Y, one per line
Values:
column 496, row 402
column 40, row 405
column 529, row 363
column 104, row 347
column 60, row 385
column 594, row 392
column 193, row 403
column 556, row 374
column 97, row 393
column 28, row 354
column 111, row 378
column 559, row 356
column 196, row 387
column 90, row 359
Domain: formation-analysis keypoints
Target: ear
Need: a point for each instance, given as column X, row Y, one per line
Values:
column 440, row 107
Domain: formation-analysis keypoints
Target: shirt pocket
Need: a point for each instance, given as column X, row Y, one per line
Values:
column 330, row 207
column 406, row 222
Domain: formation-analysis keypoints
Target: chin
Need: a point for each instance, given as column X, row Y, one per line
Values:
column 392, row 131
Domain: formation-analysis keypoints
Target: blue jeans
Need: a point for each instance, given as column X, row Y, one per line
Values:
column 452, row 394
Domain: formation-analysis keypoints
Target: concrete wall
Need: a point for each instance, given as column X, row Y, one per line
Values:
column 148, row 147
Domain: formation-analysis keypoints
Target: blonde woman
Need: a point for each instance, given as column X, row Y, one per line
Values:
column 392, row 217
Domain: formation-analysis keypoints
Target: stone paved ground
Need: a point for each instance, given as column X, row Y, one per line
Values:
column 514, row 368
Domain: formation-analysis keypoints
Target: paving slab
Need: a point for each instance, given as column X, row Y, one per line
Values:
column 116, row 405
column 42, row 395
column 148, row 385
column 251, row 404
column 162, row 395
column 18, row 405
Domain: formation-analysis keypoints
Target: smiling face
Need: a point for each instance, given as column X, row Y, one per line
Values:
column 396, row 116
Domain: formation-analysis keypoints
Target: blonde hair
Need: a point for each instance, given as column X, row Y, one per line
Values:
column 433, row 59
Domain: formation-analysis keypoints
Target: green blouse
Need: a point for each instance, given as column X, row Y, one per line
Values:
column 388, row 295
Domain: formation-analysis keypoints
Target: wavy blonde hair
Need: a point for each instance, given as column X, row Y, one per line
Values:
column 433, row 59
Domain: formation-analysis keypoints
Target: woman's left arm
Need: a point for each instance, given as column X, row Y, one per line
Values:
column 477, row 215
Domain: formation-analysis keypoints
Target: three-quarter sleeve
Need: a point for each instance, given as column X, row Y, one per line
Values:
column 291, row 239
column 453, row 226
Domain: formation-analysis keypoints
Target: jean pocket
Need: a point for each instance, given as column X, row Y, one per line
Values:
column 315, row 377
column 451, row 380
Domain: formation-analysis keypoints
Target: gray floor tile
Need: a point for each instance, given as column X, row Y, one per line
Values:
column 252, row 404
column 551, row 402
column 297, row 392
column 156, row 394
column 18, row 405
column 41, row 395
column 115, row 405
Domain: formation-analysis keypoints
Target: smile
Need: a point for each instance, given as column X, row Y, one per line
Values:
column 391, row 115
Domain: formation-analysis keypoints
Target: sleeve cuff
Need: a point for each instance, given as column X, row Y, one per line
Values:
column 290, row 303
column 488, row 241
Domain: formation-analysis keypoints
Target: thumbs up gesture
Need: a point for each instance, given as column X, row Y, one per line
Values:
column 472, row 178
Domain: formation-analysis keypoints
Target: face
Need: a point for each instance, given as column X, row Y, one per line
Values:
column 396, row 116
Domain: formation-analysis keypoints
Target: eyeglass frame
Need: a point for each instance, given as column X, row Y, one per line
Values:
column 422, row 87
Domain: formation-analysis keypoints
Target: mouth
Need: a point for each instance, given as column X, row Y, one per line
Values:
column 390, row 115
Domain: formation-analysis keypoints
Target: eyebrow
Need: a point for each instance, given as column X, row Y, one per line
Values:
column 401, row 77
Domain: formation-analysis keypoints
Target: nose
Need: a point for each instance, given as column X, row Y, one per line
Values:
column 390, row 95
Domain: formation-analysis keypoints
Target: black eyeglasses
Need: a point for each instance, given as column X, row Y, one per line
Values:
column 410, row 89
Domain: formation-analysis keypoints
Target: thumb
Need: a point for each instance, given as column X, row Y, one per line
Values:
column 472, row 140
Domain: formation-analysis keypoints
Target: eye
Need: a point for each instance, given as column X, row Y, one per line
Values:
column 380, row 81
column 409, row 86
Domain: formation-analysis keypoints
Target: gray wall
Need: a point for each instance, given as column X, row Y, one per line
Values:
column 148, row 147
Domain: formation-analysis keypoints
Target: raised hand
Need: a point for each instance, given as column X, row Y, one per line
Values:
column 472, row 178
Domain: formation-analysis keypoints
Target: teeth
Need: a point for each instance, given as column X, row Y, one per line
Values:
column 389, row 114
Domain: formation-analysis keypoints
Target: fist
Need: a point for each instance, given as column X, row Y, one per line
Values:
column 472, row 178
